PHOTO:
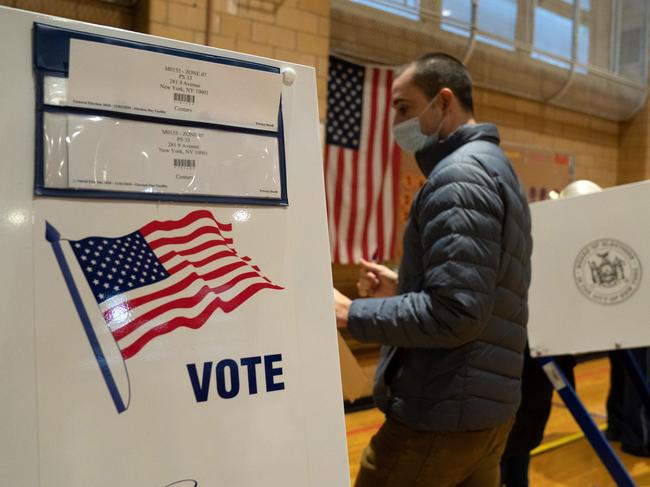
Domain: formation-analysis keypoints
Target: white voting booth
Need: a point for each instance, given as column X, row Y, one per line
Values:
column 166, row 310
column 590, row 290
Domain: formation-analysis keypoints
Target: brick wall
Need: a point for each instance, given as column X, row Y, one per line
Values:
column 290, row 30
column 634, row 152
column 85, row 10
column 594, row 141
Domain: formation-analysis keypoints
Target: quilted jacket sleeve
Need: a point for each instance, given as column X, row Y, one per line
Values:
column 458, row 214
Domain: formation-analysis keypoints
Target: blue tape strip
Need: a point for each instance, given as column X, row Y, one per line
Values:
column 53, row 236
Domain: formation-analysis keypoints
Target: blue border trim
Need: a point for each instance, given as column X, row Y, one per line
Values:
column 284, row 197
column 51, row 51
column 39, row 137
column 53, row 236
column 56, row 53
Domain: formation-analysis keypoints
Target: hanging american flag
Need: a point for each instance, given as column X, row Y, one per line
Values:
column 361, row 163
column 166, row 275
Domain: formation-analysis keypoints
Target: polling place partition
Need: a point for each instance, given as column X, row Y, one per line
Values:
column 166, row 298
column 590, row 291
column 590, row 288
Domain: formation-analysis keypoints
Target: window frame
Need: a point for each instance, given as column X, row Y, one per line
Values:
column 398, row 8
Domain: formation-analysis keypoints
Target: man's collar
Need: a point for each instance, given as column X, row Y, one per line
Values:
column 433, row 152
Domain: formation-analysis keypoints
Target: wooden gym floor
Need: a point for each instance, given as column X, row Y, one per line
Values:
column 561, row 462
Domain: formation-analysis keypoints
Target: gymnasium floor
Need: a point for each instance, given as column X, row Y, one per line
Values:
column 561, row 462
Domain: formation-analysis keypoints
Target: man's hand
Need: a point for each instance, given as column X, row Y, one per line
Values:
column 341, row 307
column 376, row 281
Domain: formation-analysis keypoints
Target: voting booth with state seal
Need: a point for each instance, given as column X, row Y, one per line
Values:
column 590, row 292
column 166, row 297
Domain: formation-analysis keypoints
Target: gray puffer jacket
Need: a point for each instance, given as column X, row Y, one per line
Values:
column 454, row 335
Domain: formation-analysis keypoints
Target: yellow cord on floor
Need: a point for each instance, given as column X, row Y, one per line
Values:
column 565, row 440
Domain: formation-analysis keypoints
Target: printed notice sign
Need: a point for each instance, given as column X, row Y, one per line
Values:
column 124, row 155
column 128, row 80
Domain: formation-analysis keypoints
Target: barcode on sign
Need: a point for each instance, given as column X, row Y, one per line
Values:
column 184, row 98
column 189, row 163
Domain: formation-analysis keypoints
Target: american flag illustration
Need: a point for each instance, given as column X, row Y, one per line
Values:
column 166, row 275
column 361, row 163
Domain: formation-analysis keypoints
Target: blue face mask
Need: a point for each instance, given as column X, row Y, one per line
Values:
column 409, row 136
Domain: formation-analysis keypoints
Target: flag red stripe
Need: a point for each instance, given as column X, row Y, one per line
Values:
column 370, row 162
column 353, row 210
column 381, row 245
column 190, row 218
column 326, row 166
column 396, row 163
column 202, row 262
column 175, row 288
column 180, row 303
column 196, row 322
column 338, row 202
column 185, row 238
column 195, row 250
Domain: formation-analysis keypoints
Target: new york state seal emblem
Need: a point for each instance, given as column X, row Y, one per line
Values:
column 607, row 271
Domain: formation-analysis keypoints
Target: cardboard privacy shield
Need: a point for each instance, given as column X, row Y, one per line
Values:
column 158, row 329
column 590, row 287
column 354, row 380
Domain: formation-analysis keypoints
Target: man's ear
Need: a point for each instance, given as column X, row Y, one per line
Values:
column 447, row 96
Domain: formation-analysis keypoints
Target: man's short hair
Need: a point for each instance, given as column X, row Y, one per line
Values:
column 438, row 70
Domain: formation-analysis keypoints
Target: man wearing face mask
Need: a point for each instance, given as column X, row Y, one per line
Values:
column 453, row 326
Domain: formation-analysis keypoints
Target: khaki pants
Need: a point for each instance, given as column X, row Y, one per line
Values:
column 398, row 456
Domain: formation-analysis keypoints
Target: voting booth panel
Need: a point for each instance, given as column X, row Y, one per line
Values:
column 166, row 300
column 590, row 289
